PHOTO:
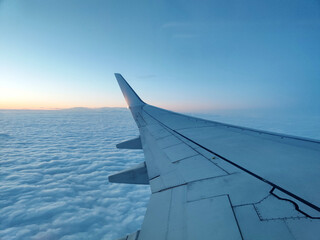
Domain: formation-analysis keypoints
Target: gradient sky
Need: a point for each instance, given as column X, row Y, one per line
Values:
column 181, row 55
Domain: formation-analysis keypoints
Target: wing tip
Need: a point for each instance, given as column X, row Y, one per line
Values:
column 129, row 94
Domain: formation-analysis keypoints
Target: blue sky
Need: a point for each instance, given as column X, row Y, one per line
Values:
column 181, row 55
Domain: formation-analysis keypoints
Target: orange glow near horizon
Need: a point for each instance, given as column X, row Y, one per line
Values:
column 23, row 100
column 57, row 105
column 21, row 107
column 49, row 106
column 33, row 94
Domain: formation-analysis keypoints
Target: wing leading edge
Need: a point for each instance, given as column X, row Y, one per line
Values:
column 218, row 181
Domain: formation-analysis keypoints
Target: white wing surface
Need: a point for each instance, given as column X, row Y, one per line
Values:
column 211, row 180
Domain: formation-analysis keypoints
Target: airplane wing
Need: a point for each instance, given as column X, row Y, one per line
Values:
column 211, row 180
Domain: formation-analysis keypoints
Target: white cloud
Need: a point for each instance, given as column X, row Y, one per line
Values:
column 55, row 167
column 54, row 175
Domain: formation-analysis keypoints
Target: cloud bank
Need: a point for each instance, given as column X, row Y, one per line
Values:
column 54, row 168
column 54, row 175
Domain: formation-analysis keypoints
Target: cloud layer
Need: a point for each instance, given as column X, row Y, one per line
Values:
column 54, row 175
column 54, row 168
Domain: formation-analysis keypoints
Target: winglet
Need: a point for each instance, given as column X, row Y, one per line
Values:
column 132, row 99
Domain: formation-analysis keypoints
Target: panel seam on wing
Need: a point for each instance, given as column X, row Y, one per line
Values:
column 243, row 169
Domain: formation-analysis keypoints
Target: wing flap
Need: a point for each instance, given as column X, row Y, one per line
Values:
column 218, row 212
column 134, row 175
column 130, row 144
column 132, row 236
column 171, row 216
